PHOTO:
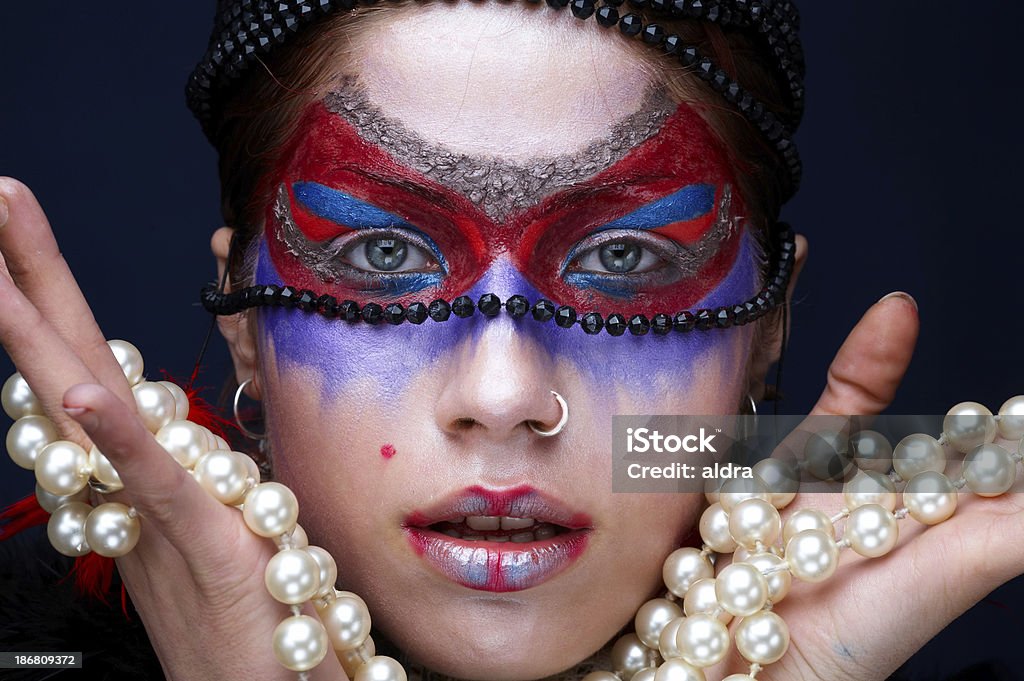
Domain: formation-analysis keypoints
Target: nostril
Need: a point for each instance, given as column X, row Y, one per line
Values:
column 465, row 423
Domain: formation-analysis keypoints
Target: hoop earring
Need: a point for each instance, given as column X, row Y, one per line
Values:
column 746, row 428
column 238, row 420
column 561, row 421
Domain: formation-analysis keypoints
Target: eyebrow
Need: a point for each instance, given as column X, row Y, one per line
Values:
column 499, row 188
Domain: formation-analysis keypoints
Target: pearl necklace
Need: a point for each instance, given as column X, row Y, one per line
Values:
column 676, row 636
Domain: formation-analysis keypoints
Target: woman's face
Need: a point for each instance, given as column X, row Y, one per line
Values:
column 475, row 149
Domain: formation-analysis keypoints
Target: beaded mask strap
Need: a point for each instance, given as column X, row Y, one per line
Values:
column 247, row 30
column 771, row 295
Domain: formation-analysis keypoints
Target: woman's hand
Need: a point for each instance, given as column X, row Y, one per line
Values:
column 874, row 613
column 196, row 575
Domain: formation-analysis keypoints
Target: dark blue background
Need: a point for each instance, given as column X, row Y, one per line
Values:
column 912, row 145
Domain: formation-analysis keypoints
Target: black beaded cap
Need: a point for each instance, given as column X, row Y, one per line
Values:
column 245, row 31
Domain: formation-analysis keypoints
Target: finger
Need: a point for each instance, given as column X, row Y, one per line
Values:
column 34, row 262
column 42, row 357
column 162, row 492
column 871, row 363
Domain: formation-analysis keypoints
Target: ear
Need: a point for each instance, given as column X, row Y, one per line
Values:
column 236, row 329
column 769, row 340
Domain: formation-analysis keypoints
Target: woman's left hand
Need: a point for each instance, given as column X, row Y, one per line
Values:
column 874, row 613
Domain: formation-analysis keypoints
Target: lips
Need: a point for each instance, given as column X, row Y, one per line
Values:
column 498, row 540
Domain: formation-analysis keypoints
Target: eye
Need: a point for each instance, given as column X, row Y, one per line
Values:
column 389, row 254
column 619, row 256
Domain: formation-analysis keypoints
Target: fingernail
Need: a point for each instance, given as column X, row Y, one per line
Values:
column 83, row 415
column 899, row 294
column 3, row 212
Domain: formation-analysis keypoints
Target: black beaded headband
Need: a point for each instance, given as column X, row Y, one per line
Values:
column 246, row 30
column 772, row 294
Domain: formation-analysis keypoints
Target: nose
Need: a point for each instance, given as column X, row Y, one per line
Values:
column 501, row 383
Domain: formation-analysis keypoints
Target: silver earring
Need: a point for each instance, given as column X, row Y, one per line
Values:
column 238, row 420
column 746, row 420
column 561, row 421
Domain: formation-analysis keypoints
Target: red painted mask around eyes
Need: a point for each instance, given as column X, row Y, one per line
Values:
column 575, row 246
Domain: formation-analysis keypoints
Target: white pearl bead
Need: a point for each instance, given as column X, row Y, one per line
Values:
column 270, row 509
column 871, row 451
column 930, row 498
column 27, row 437
column 652, row 617
column 103, row 471
column 779, row 582
column 185, row 441
column 781, row 478
column 714, row 529
column 918, row 453
column 872, row 530
column 702, row 640
column 297, row 539
column 762, row 638
column 300, row 643
column 1011, row 418
column 629, row 656
column 869, row 487
column 683, row 567
column 66, row 529
column 739, row 677
column 646, row 674
column 702, row 599
column 328, row 568
column 812, row 555
column 347, row 621
column 130, row 359
column 741, row 589
column 712, row 487
column 155, row 403
column 678, row 670
column 604, row 676
column 740, row 489
column 753, row 522
column 62, row 468
column 667, row 641
column 352, row 660
column 989, row 470
column 826, row 456
column 807, row 519
column 224, row 475
column 51, row 502
column 181, row 405
column 381, row 668
column 968, row 425
column 292, row 576
column 112, row 530
column 17, row 398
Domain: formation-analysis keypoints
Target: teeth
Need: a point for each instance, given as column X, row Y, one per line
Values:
column 522, row 537
column 508, row 523
column 544, row 532
column 498, row 539
column 452, row 533
column 480, row 522
column 473, row 537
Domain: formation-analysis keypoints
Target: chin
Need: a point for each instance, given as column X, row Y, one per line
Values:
column 499, row 637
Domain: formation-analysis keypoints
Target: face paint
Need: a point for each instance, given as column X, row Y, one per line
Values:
column 669, row 199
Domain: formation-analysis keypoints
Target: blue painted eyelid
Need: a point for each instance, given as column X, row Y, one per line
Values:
column 345, row 209
column 689, row 203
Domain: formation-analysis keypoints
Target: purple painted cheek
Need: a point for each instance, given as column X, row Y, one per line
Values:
column 630, row 361
column 390, row 357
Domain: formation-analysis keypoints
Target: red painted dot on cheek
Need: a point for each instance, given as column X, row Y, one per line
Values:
column 387, row 451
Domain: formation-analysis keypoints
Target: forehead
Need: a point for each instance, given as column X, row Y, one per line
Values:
column 514, row 82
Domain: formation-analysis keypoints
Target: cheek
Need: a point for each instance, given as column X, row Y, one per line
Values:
column 381, row 362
